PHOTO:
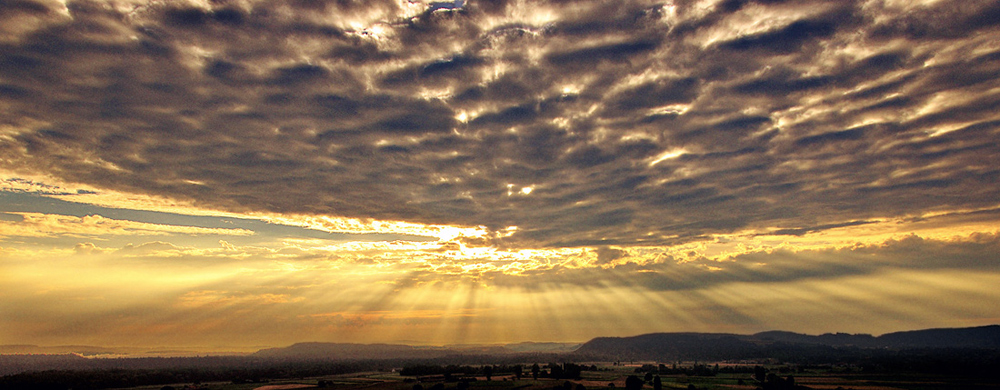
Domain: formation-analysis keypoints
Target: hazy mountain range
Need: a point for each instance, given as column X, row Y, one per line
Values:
column 398, row 351
column 662, row 347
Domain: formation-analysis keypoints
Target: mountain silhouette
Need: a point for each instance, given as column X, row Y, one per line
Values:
column 987, row 337
column 723, row 346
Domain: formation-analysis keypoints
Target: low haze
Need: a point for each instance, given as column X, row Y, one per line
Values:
column 233, row 175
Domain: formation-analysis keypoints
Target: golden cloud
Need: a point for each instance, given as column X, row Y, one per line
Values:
column 52, row 225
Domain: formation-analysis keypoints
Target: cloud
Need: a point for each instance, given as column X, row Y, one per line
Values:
column 774, row 115
column 85, row 248
column 171, row 294
column 667, row 270
column 52, row 225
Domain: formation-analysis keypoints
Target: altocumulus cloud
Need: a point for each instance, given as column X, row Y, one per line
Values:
column 583, row 123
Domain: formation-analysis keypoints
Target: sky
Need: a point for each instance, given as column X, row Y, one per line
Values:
column 239, row 174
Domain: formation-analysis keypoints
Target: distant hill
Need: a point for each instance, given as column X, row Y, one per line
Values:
column 831, row 339
column 542, row 347
column 670, row 346
column 60, row 349
column 778, row 344
column 347, row 351
column 13, row 364
column 978, row 337
column 107, row 352
column 787, row 346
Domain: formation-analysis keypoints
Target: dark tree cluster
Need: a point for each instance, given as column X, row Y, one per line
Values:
column 424, row 370
column 695, row 370
column 565, row 371
column 633, row 383
column 771, row 381
column 567, row 385
column 455, row 373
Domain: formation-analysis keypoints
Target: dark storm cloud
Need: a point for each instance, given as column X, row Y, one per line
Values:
column 605, row 123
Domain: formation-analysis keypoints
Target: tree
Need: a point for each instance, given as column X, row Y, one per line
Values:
column 759, row 373
column 488, row 371
column 648, row 377
column 774, row 382
column 534, row 370
column 555, row 370
column 517, row 371
column 657, row 383
column 572, row 371
column 633, row 383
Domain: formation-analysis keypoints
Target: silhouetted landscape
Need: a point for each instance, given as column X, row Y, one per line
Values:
column 962, row 357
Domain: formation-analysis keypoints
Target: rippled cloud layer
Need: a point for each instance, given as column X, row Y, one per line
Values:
column 500, row 148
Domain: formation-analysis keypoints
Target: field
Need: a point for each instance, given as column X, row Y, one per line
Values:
column 608, row 375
